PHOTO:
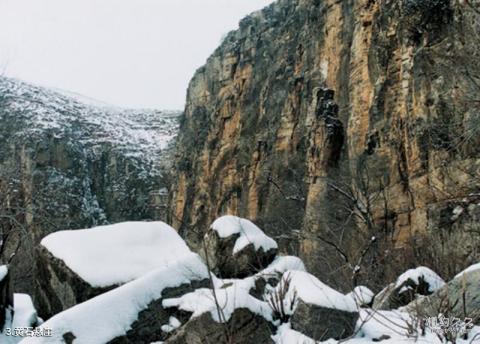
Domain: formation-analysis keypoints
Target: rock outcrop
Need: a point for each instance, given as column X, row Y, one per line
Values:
column 409, row 286
column 329, row 122
column 132, row 312
column 65, row 164
column 321, row 323
column 236, row 248
column 459, row 298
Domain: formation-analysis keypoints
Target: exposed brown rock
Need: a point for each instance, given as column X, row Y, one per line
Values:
column 264, row 138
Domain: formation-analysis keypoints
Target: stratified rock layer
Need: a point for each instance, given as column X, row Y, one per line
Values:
column 329, row 122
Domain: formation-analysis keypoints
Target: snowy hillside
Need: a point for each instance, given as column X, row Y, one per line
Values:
column 139, row 133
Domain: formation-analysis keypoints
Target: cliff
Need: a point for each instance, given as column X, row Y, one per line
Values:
column 348, row 130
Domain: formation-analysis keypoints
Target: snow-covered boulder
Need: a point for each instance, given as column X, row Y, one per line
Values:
column 74, row 266
column 410, row 284
column 131, row 313
column 460, row 297
column 236, row 248
column 247, row 314
column 320, row 311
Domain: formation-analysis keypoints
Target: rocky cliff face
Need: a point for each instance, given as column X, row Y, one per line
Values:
column 67, row 165
column 349, row 129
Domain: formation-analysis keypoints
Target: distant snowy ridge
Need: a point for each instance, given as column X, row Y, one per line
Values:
column 138, row 133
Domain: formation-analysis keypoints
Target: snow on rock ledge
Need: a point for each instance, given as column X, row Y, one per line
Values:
column 132, row 312
column 413, row 282
column 311, row 290
column 229, row 225
column 76, row 265
column 237, row 248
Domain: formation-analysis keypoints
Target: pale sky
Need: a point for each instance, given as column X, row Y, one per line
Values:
column 131, row 53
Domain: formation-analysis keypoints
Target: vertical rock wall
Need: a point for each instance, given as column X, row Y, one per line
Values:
column 328, row 122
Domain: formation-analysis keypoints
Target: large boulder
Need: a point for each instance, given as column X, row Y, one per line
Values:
column 322, row 323
column 321, row 312
column 407, row 287
column 131, row 313
column 459, row 298
column 237, row 309
column 74, row 266
column 236, row 248
column 243, row 327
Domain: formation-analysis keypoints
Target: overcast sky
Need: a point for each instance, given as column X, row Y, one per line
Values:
column 132, row 53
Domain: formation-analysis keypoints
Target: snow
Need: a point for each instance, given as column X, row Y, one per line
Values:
column 233, row 294
column 361, row 295
column 173, row 323
column 3, row 272
column 24, row 316
column 229, row 225
column 470, row 269
column 115, row 254
column 25, row 313
column 111, row 314
column 310, row 290
column 229, row 299
column 286, row 335
column 283, row 263
column 457, row 212
column 371, row 326
column 434, row 281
